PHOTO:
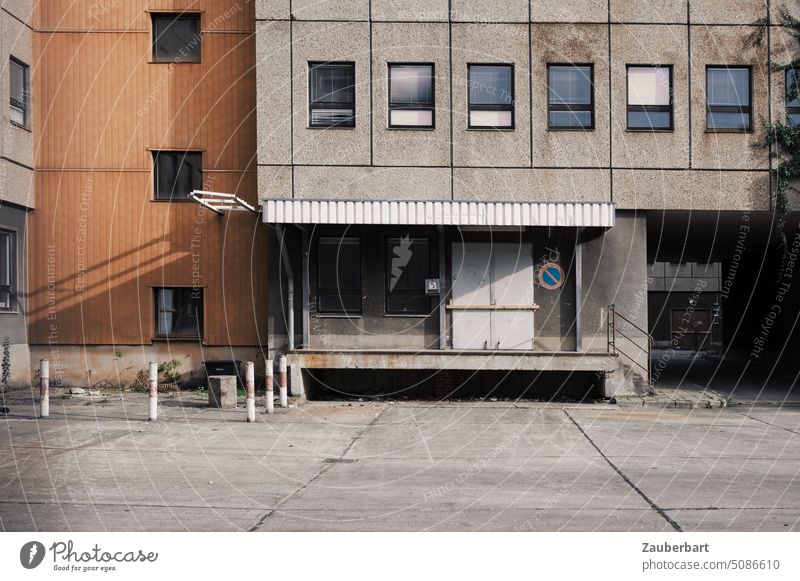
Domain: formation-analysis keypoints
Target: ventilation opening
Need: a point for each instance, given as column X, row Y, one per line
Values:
column 394, row 384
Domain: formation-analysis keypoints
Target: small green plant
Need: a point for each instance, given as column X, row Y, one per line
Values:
column 6, row 366
column 170, row 370
column 117, row 354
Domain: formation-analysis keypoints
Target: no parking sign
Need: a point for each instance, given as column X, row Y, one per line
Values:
column 551, row 276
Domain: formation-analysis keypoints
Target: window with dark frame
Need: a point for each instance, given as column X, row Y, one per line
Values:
column 339, row 282
column 408, row 264
column 331, row 94
column 176, row 174
column 411, row 96
column 490, row 91
column 793, row 96
column 650, row 106
column 179, row 312
column 8, row 270
column 176, row 37
column 19, row 91
column 729, row 97
column 570, row 96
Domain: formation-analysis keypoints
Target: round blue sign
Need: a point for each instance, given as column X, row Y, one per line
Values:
column 551, row 276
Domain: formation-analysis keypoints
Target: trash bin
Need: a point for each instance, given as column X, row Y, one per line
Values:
column 224, row 367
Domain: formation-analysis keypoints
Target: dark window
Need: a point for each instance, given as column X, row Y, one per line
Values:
column 491, row 96
column 649, row 98
column 177, row 173
column 570, row 96
column 339, row 285
column 176, row 38
column 179, row 312
column 411, row 96
column 728, row 97
column 408, row 264
column 8, row 270
column 793, row 96
column 332, row 95
column 19, row 90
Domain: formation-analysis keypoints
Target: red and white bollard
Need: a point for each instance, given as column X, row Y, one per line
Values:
column 250, row 390
column 44, row 387
column 282, row 382
column 270, row 385
column 152, row 391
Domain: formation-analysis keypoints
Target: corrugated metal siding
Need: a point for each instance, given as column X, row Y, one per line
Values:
column 416, row 213
column 98, row 242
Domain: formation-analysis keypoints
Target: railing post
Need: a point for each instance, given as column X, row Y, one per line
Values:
column 282, row 379
column 44, row 388
column 270, row 388
column 152, row 391
column 250, row 391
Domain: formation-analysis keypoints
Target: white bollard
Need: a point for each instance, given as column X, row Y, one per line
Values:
column 250, row 390
column 270, row 385
column 152, row 391
column 282, row 385
column 44, row 387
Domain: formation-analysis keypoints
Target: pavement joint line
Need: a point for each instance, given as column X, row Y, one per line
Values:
column 627, row 480
column 326, row 466
column 769, row 424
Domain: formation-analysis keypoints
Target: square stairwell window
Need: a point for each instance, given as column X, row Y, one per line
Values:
column 411, row 96
column 729, row 99
column 650, row 98
column 570, row 96
column 793, row 95
column 19, row 88
column 176, row 174
column 179, row 313
column 408, row 264
column 176, row 37
column 339, row 283
column 331, row 95
column 491, row 96
column 8, row 270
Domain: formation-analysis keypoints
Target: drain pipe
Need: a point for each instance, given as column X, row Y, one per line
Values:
column 287, row 267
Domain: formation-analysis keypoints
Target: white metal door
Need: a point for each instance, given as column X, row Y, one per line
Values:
column 512, row 289
column 472, row 264
column 489, row 280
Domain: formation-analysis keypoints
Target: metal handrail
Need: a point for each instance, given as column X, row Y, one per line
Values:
column 611, row 335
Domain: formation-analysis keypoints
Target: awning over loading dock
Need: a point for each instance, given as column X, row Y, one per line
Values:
column 445, row 213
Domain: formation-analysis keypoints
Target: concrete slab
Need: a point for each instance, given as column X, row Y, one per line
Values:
column 99, row 465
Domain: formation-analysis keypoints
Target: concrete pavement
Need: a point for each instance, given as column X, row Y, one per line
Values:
column 97, row 464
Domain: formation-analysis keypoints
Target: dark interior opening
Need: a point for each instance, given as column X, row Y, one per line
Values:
column 395, row 384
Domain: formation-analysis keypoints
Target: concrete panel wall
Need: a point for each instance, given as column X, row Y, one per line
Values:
column 371, row 183
column 663, row 12
column 331, row 41
column 491, row 44
column 569, row 11
column 411, row 43
column 728, row 12
column 489, row 11
column 584, row 185
column 727, row 45
column 646, row 45
column 410, row 10
column 329, row 10
column 273, row 86
column 560, row 44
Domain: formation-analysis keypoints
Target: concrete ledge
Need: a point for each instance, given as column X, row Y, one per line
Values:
column 450, row 359
column 675, row 399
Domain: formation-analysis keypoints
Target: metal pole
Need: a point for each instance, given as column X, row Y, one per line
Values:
column 282, row 381
column 250, row 389
column 44, row 387
column 270, row 388
column 152, row 391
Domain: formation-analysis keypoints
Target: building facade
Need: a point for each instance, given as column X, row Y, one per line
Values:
column 137, row 103
column 16, row 182
column 468, row 186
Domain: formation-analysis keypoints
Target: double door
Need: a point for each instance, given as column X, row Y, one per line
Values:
column 492, row 303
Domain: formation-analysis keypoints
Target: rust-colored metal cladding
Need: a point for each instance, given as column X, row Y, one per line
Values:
column 100, row 243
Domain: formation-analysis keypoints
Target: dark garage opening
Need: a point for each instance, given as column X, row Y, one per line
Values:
column 391, row 384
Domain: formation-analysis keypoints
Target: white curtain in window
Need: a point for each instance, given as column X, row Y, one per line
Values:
column 166, row 311
column 648, row 86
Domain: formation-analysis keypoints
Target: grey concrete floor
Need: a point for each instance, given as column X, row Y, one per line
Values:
column 96, row 464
